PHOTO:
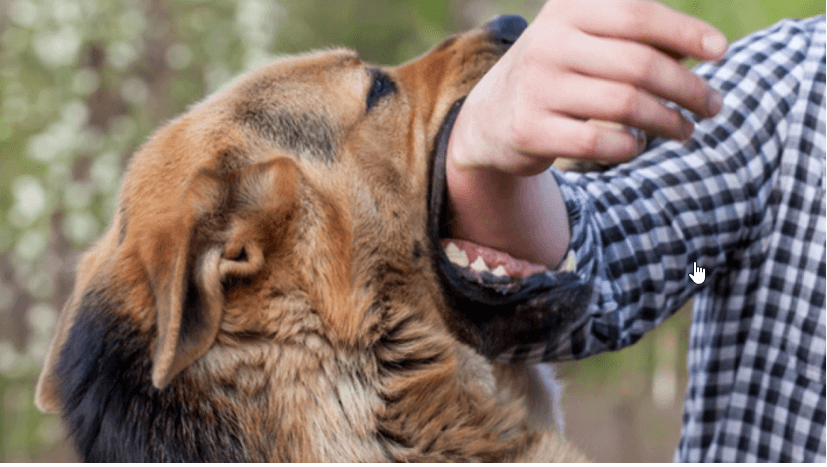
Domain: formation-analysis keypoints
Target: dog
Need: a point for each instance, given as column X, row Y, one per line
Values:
column 272, row 288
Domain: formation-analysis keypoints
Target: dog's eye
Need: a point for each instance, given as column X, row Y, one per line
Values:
column 381, row 86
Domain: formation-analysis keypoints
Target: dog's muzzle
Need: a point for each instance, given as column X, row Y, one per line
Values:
column 501, row 303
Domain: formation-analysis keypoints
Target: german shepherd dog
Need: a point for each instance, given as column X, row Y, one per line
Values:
column 273, row 286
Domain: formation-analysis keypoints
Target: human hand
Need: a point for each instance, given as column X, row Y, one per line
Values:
column 611, row 60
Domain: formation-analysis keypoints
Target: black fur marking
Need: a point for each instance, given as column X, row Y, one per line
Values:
column 388, row 437
column 417, row 253
column 393, row 362
column 113, row 412
column 392, row 337
column 302, row 133
column 191, row 313
column 408, row 364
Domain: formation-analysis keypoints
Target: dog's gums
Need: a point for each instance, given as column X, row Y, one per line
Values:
column 479, row 259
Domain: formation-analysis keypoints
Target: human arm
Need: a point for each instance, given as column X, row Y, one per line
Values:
column 747, row 179
column 608, row 60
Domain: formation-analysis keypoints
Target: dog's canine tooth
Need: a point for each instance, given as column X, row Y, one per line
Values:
column 499, row 271
column 570, row 263
column 479, row 265
column 456, row 256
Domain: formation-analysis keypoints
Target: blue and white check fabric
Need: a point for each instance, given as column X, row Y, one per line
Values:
column 744, row 198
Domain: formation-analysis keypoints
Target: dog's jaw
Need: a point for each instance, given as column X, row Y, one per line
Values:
column 491, row 312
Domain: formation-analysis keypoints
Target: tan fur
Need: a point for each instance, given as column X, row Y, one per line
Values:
column 296, row 220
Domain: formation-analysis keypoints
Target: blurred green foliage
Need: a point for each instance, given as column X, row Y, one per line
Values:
column 82, row 84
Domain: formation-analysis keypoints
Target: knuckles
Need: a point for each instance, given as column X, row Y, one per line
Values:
column 587, row 142
column 624, row 103
column 634, row 15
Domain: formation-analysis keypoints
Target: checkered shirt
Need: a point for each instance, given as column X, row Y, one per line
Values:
column 744, row 199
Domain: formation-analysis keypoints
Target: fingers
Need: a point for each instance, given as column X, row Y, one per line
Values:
column 611, row 60
column 652, row 23
column 555, row 135
column 642, row 67
column 621, row 103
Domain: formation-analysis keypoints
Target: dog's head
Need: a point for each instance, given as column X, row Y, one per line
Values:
column 287, row 227
column 272, row 206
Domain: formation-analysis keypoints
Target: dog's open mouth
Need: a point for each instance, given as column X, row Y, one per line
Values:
column 497, row 302
column 491, row 266
column 481, row 264
column 481, row 260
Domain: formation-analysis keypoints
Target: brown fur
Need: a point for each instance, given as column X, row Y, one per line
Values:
column 265, row 291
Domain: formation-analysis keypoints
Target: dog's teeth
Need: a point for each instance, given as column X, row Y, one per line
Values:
column 570, row 264
column 479, row 265
column 499, row 271
column 456, row 256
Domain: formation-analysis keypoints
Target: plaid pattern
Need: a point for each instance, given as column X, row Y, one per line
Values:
column 744, row 199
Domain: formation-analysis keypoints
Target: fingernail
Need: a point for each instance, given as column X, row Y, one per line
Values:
column 640, row 139
column 714, row 103
column 714, row 44
column 687, row 128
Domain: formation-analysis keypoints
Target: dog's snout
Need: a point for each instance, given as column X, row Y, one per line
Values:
column 506, row 29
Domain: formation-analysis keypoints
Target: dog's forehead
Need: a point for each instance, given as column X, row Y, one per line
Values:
column 319, row 72
column 301, row 104
column 296, row 104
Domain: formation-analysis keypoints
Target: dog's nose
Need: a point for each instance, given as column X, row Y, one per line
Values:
column 506, row 29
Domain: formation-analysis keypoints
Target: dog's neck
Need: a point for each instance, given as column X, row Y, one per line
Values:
column 113, row 411
column 264, row 402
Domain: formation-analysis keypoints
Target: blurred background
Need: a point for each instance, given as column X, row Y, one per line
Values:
column 83, row 83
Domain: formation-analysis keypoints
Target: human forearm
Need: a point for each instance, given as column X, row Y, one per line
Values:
column 523, row 216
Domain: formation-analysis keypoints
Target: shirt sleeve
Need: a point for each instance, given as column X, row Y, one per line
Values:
column 638, row 229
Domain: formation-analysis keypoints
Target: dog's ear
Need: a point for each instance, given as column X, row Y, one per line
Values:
column 182, row 262
column 188, row 264
column 224, row 229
